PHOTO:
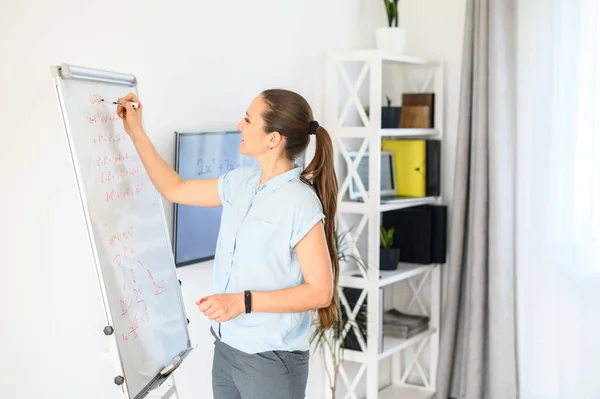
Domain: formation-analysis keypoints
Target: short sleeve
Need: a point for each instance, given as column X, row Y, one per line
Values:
column 223, row 185
column 307, row 213
column 228, row 182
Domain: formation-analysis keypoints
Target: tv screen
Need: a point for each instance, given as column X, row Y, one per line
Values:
column 202, row 155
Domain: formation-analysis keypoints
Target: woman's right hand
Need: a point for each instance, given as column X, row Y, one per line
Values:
column 132, row 117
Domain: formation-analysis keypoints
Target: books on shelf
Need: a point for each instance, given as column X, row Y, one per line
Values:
column 417, row 165
column 403, row 325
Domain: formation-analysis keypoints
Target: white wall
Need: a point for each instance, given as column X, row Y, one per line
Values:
column 198, row 63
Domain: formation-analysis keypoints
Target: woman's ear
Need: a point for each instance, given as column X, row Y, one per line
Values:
column 273, row 139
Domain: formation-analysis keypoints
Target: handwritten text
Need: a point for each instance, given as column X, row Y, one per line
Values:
column 102, row 118
column 124, row 193
column 204, row 167
column 112, row 159
column 124, row 253
column 120, row 236
column 95, row 98
column 109, row 138
column 109, row 176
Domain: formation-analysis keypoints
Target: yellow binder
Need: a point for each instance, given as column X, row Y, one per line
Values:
column 409, row 165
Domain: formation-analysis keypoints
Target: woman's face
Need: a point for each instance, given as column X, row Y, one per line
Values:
column 255, row 141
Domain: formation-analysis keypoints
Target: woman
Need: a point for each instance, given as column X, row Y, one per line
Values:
column 275, row 258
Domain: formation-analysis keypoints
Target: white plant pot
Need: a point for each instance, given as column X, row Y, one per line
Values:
column 390, row 40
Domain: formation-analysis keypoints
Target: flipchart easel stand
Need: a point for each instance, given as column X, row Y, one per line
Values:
column 79, row 90
column 168, row 390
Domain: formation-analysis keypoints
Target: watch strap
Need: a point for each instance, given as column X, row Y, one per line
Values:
column 248, row 301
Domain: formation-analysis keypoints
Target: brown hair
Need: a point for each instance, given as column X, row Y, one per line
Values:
column 290, row 114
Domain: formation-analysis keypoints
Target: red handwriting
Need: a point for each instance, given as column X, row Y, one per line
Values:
column 112, row 159
column 125, row 305
column 159, row 288
column 102, row 118
column 132, row 330
column 137, row 292
column 95, row 98
column 108, row 138
column 134, row 326
column 124, row 277
column 118, row 175
column 135, row 299
column 107, row 223
column 122, row 194
column 147, row 270
column 120, row 236
column 123, row 254
column 144, row 317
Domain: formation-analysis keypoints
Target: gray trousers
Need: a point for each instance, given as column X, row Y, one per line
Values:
column 264, row 375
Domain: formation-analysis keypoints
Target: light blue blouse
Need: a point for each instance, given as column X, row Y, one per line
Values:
column 260, row 226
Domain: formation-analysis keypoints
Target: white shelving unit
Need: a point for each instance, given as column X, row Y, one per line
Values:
column 409, row 378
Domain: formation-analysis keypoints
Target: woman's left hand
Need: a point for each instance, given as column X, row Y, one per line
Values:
column 221, row 307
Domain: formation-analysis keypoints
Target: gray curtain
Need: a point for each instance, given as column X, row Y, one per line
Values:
column 478, row 346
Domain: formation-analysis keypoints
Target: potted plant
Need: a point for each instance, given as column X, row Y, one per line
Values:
column 390, row 116
column 391, row 39
column 330, row 343
column 388, row 256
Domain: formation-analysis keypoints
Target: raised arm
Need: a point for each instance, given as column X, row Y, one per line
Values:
column 200, row 192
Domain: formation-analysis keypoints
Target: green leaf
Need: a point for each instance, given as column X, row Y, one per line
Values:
column 391, row 9
column 387, row 237
column 390, row 12
column 342, row 247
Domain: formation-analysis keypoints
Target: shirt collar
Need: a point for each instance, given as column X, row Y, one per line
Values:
column 277, row 181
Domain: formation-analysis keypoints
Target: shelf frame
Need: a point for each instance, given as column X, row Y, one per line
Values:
column 386, row 277
column 391, row 346
column 368, row 138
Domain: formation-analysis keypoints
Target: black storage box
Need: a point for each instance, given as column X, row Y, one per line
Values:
column 420, row 233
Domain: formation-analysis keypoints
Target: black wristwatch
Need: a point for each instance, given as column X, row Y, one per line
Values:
column 248, row 301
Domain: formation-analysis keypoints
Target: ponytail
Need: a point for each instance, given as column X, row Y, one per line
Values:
column 321, row 174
